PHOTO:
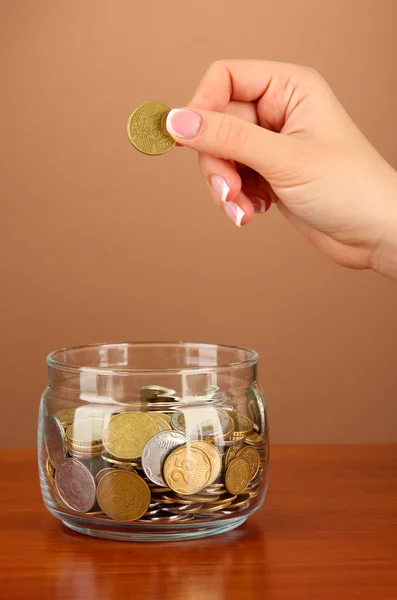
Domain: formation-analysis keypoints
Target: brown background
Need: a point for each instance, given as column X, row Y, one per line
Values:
column 100, row 243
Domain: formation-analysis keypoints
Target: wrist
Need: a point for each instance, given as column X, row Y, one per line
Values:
column 384, row 255
column 384, row 259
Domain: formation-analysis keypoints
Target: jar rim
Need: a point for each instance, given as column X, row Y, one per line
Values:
column 54, row 360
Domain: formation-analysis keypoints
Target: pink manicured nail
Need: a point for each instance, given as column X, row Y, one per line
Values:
column 183, row 123
column 220, row 187
column 234, row 212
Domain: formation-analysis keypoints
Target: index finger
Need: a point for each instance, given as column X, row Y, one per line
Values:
column 243, row 80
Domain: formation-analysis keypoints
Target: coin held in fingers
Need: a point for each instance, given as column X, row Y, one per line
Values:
column 146, row 129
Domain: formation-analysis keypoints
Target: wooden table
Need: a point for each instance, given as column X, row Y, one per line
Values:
column 328, row 530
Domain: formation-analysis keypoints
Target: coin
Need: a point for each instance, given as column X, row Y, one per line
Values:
column 252, row 456
column 215, row 507
column 83, row 455
column 240, row 500
column 187, row 470
column 189, row 508
column 253, row 493
column 215, row 459
column 201, row 422
column 232, row 452
column 101, row 473
column 242, row 424
column 127, row 434
column 256, row 407
column 120, row 463
column 75, row 485
column 238, row 475
column 123, row 496
column 66, row 416
column 170, row 499
column 155, row 451
column 164, row 518
column 54, row 438
column 146, row 129
column 148, row 392
column 50, row 470
column 254, row 439
column 162, row 423
column 85, row 432
column 205, row 499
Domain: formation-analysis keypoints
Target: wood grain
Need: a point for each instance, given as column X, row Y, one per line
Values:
column 328, row 531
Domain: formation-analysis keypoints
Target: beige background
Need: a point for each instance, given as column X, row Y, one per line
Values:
column 100, row 243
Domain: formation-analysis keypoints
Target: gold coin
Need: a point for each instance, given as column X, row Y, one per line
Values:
column 193, row 508
column 123, row 496
column 187, row 470
column 162, row 423
column 146, row 129
column 169, row 499
column 127, row 433
column 241, row 500
column 101, row 474
column 238, row 475
column 232, row 452
column 50, row 470
column 252, row 456
column 215, row 507
column 85, row 432
column 242, row 424
column 253, row 493
column 199, row 498
column 214, row 457
column 84, row 455
column 66, row 416
column 254, row 439
column 120, row 463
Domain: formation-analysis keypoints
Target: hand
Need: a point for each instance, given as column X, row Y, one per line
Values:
column 270, row 132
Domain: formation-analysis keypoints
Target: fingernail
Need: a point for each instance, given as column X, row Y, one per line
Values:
column 183, row 123
column 220, row 187
column 259, row 204
column 234, row 212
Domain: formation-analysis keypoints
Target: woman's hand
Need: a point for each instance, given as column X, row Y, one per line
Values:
column 270, row 132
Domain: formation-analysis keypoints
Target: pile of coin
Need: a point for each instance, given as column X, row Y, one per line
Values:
column 159, row 465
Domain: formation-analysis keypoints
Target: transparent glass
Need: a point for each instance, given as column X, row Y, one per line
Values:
column 153, row 441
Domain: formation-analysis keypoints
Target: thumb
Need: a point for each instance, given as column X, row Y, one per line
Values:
column 226, row 136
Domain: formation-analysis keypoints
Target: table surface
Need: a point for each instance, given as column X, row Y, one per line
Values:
column 327, row 530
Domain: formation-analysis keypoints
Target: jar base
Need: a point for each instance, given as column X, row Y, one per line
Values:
column 155, row 536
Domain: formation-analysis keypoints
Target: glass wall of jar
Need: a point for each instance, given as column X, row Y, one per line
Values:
column 153, row 441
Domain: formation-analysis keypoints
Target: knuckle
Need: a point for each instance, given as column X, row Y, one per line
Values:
column 309, row 73
column 218, row 64
column 230, row 132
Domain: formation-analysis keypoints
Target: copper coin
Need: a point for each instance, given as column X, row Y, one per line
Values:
column 123, row 496
column 75, row 485
column 54, row 437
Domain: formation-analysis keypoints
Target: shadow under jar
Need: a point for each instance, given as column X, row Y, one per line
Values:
column 153, row 441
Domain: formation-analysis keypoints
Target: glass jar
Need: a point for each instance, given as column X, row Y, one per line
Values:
column 153, row 441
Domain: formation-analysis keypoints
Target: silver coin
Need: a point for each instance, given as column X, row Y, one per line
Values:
column 54, row 437
column 155, row 451
column 256, row 408
column 152, row 512
column 161, row 518
column 153, row 391
column 201, row 422
column 192, row 400
column 75, row 485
